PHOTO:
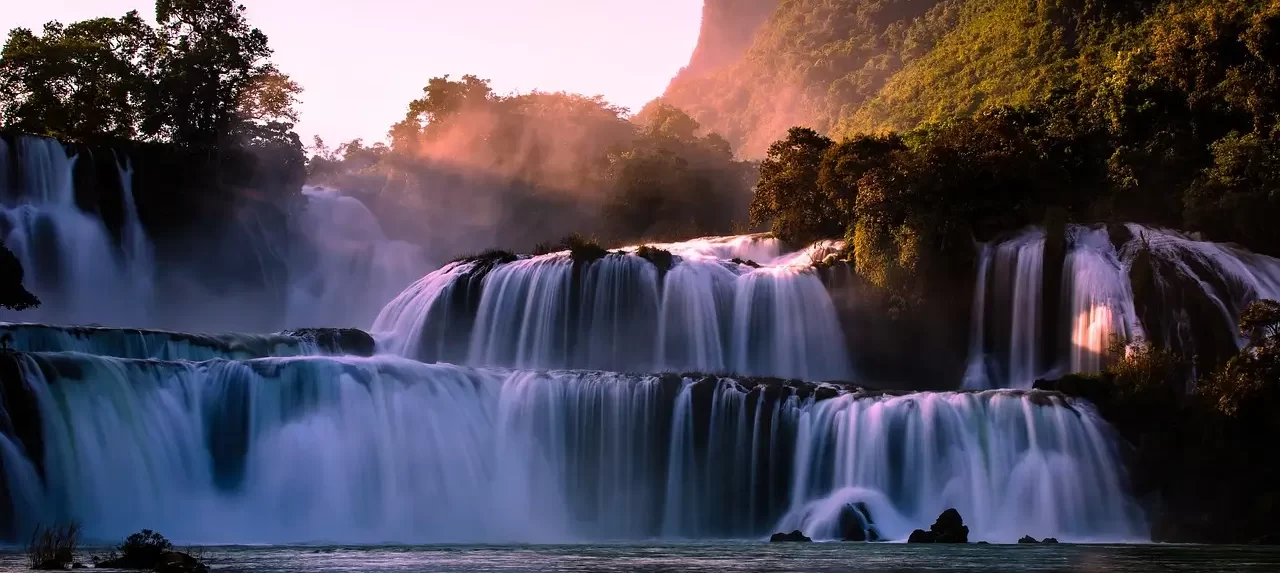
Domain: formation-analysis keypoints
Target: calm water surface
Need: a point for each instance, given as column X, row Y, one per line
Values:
column 737, row 557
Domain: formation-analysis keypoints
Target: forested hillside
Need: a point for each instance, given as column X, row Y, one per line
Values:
column 847, row 66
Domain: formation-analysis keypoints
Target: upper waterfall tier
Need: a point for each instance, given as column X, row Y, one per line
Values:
column 386, row 449
column 732, row 304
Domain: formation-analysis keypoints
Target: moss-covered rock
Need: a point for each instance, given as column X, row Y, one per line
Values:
column 662, row 259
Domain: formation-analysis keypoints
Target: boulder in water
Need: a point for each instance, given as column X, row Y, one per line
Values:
column 179, row 562
column 856, row 523
column 949, row 528
column 1030, row 539
column 794, row 536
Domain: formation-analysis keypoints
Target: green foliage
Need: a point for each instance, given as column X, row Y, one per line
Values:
column 661, row 258
column 1249, row 385
column 145, row 549
column 53, row 548
column 810, row 64
column 1176, row 131
column 13, row 295
column 491, row 256
column 557, row 156
column 201, row 78
column 583, row 250
column 788, row 194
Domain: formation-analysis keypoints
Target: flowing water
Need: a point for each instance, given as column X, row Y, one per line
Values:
column 384, row 448
column 715, row 310
column 631, row 408
column 737, row 557
column 341, row 267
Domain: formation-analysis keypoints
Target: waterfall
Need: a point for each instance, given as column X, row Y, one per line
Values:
column 72, row 263
column 341, row 267
column 1198, row 290
column 770, row 317
column 1098, row 299
column 355, row 268
column 382, row 449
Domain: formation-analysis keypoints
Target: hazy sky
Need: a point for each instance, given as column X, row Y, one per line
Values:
column 361, row 61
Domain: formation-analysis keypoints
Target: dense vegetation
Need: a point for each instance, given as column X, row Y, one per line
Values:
column 1199, row 454
column 1179, row 131
column 201, row 78
column 476, row 168
column 843, row 67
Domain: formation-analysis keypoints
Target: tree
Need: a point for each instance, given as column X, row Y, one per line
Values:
column 214, row 73
column 788, row 196
column 86, row 81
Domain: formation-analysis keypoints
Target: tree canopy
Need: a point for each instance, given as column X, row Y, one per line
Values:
column 201, row 77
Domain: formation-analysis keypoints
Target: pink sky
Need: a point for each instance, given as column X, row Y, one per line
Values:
column 361, row 61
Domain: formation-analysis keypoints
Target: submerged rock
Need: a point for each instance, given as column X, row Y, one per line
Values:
column 337, row 340
column 949, row 528
column 794, row 536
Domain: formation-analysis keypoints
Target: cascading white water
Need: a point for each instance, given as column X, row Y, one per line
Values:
column 70, row 258
column 976, row 376
column 342, row 273
column 386, row 449
column 1099, row 302
column 620, row 313
column 1098, row 306
column 356, row 268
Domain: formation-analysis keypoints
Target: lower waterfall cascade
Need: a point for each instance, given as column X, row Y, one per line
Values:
column 378, row 449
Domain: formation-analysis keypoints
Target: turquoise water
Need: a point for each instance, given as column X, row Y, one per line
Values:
column 738, row 557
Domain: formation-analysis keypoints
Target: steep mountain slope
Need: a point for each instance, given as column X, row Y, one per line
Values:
column 810, row 63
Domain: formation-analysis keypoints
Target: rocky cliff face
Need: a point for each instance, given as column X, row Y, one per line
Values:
column 727, row 28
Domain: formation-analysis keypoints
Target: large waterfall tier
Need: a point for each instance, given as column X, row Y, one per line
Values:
column 1037, row 315
column 388, row 449
column 770, row 317
column 166, row 345
column 332, row 266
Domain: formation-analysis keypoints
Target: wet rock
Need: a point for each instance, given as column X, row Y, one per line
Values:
column 949, row 528
column 856, row 523
column 794, row 536
column 922, row 536
column 1030, row 539
column 178, row 562
column 337, row 340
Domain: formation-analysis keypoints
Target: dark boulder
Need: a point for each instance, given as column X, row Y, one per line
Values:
column 794, row 536
column 1030, row 539
column 856, row 523
column 922, row 536
column 179, row 562
column 949, row 528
